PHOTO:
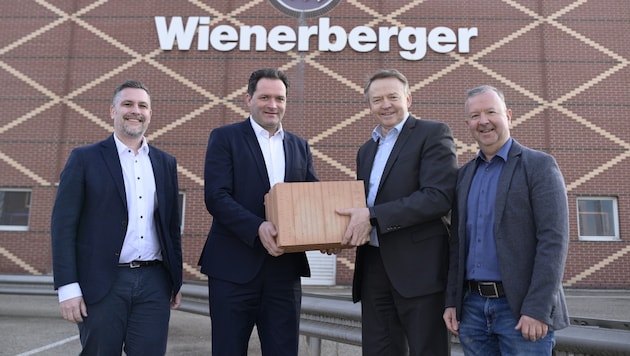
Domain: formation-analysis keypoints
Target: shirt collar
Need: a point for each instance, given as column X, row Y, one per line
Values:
column 262, row 132
column 121, row 147
column 377, row 133
column 503, row 151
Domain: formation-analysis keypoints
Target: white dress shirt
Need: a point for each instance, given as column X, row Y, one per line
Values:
column 141, row 241
column 273, row 151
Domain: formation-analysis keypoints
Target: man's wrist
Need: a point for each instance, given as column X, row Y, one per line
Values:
column 68, row 291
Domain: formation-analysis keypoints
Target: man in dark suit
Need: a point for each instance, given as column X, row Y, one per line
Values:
column 409, row 167
column 509, row 240
column 116, row 245
column 251, row 280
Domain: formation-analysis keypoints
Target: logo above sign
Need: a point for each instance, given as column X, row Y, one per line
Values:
column 304, row 8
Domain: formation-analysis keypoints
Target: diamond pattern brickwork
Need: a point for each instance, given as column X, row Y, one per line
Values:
column 564, row 66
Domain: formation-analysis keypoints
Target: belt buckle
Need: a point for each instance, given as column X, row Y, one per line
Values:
column 134, row 264
column 494, row 286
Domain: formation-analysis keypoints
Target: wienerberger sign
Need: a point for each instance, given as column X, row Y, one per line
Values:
column 412, row 42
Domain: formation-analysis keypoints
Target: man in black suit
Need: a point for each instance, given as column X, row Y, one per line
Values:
column 251, row 280
column 409, row 167
column 116, row 244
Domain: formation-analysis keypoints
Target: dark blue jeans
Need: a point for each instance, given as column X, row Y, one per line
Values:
column 135, row 314
column 487, row 328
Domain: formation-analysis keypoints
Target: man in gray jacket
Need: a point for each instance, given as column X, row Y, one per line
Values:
column 509, row 240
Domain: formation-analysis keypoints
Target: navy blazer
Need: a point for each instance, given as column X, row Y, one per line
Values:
column 89, row 218
column 415, row 192
column 531, row 231
column 236, row 182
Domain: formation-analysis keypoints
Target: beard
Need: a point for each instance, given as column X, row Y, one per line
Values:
column 131, row 129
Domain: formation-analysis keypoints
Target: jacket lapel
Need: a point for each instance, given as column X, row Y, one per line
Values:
column 159, row 174
column 157, row 164
column 367, row 160
column 287, row 147
column 504, row 182
column 112, row 162
column 251, row 141
column 463, row 190
column 403, row 136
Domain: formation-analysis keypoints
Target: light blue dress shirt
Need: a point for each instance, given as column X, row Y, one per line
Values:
column 385, row 147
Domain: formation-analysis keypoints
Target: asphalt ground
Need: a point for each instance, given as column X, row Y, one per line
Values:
column 31, row 324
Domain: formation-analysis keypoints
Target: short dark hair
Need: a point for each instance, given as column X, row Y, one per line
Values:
column 386, row 73
column 129, row 84
column 269, row 73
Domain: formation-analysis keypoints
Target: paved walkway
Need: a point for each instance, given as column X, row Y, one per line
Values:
column 31, row 325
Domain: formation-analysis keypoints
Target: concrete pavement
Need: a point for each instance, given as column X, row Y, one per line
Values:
column 31, row 325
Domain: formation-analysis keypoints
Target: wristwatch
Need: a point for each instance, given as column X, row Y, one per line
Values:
column 373, row 221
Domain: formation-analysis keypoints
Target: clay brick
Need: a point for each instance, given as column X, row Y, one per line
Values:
column 304, row 213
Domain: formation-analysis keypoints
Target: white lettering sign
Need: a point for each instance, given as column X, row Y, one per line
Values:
column 412, row 41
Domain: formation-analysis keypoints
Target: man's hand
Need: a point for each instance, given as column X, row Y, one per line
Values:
column 176, row 300
column 450, row 318
column 267, row 234
column 359, row 228
column 531, row 329
column 73, row 309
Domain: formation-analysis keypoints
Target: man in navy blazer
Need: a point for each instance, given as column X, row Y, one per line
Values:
column 409, row 167
column 251, row 280
column 116, row 245
column 509, row 240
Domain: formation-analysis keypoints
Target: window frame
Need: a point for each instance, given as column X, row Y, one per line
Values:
column 27, row 204
column 615, row 219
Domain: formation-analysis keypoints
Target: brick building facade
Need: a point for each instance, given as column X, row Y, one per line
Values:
column 564, row 66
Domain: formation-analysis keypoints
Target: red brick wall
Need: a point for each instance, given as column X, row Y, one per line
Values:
column 564, row 66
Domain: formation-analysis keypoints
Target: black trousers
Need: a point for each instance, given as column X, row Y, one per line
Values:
column 395, row 325
column 271, row 303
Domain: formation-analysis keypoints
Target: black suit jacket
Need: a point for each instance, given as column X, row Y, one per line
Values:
column 415, row 193
column 236, row 182
column 89, row 218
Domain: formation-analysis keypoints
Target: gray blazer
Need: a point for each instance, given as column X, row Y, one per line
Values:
column 531, row 230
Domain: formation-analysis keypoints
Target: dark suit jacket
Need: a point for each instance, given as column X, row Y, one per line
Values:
column 415, row 192
column 89, row 218
column 531, row 229
column 236, row 182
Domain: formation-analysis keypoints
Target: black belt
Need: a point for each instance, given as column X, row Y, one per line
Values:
column 487, row 289
column 136, row 264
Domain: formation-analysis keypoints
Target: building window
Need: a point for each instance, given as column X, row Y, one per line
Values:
column 182, row 201
column 15, row 207
column 598, row 219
